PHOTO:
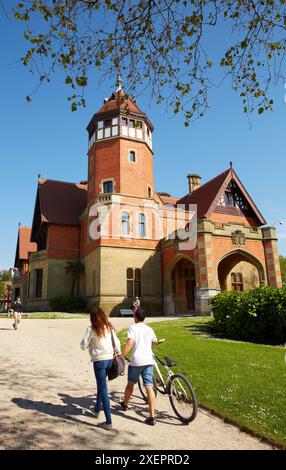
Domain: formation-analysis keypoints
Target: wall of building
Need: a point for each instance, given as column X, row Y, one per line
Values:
column 63, row 241
column 250, row 274
column 35, row 304
column 110, row 265
column 136, row 176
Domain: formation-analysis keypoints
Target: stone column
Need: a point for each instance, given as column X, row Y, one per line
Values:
column 272, row 258
column 206, row 274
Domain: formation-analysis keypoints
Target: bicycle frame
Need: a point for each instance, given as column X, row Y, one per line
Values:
column 169, row 373
column 168, row 370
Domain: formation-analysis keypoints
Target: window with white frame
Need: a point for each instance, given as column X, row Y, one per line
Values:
column 141, row 225
column 125, row 223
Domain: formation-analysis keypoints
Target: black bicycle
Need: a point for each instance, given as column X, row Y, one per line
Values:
column 176, row 385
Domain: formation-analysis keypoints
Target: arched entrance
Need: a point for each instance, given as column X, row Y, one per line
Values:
column 239, row 271
column 180, row 287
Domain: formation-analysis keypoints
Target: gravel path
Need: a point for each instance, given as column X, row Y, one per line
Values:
column 47, row 386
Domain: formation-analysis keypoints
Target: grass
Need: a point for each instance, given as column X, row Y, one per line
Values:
column 51, row 315
column 242, row 381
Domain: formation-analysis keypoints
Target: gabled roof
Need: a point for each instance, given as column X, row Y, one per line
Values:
column 24, row 245
column 59, row 202
column 208, row 195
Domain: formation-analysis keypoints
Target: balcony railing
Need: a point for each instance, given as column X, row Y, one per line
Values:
column 38, row 255
column 102, row 198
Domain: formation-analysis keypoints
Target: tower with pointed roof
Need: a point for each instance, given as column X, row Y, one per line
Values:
column 120, row 155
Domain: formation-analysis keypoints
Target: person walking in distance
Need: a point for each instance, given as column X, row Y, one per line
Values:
column 98, row 338
column 140, row 339
column 17, row 313
column 136, row 305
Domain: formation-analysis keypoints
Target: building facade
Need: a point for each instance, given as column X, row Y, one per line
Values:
column 107, row 229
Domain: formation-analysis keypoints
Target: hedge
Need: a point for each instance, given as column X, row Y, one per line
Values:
column 257, row 315
column 68, row 304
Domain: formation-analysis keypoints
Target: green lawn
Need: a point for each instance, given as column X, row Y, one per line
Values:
column 51, row 315
column 242, row 381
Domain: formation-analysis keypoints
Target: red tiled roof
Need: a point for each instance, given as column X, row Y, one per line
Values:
column 167, row 199
column 120, row 100
column 205, row 195
column 61, row 202
column 208, row 195
column 24, row 244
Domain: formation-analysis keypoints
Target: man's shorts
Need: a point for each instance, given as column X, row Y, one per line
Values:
column 146, row 373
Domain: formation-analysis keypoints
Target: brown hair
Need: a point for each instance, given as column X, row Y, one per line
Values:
column 99, row 321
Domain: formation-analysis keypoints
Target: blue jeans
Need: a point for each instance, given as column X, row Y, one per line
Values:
column 101, row 369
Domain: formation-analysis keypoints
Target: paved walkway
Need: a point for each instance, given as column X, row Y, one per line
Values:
column 47, row 386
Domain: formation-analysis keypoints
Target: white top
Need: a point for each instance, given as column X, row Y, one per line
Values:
column 136, row 303
column 143, row 336
column 100, row 348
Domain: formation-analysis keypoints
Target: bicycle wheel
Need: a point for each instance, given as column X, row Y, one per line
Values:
column 143, row 389
column 183, row 398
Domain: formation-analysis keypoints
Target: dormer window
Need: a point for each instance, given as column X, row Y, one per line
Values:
column 108, row 186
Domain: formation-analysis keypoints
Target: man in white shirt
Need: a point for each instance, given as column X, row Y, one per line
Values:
column 140, row 339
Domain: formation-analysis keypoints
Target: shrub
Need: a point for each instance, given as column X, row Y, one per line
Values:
column 256, row 315
column 68, row 304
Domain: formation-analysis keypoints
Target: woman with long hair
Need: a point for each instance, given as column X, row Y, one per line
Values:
column 98, row 339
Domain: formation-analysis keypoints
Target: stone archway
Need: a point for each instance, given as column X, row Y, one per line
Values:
column 240, row 270
column 180, row 286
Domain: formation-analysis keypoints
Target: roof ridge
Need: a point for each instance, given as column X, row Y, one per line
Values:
column 213, row 179
column 61, row 181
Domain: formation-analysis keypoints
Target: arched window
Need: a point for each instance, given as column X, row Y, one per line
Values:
column 137, row 283
column 237, row 281
column 130, row 283
column 125, row 224
column 133, row 282
column 141, row 225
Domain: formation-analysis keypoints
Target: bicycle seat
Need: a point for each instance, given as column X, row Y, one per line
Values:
column 170, row 362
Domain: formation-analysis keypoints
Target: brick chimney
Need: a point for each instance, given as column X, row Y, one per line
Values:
column 194, row 182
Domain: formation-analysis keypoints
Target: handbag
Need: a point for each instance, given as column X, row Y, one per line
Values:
column 118, row 366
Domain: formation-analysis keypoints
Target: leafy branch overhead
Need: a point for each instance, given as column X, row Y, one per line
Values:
column 169, row 45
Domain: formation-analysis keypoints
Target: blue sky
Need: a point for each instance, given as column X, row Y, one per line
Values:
column 46, row 137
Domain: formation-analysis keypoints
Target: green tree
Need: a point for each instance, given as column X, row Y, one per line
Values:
column 5, row 275
column 75, row 269
column 163, row 44
column 283, row 269
column 2, row 289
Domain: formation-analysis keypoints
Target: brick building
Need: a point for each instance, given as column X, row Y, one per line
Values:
column 234, row 251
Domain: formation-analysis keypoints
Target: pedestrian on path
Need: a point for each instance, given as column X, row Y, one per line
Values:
column 98, row 338
column 140, row 339
column 136, row 305
column 17, row 313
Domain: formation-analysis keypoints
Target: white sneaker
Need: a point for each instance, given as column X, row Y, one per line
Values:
column 95, row 413
column 106, row 426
